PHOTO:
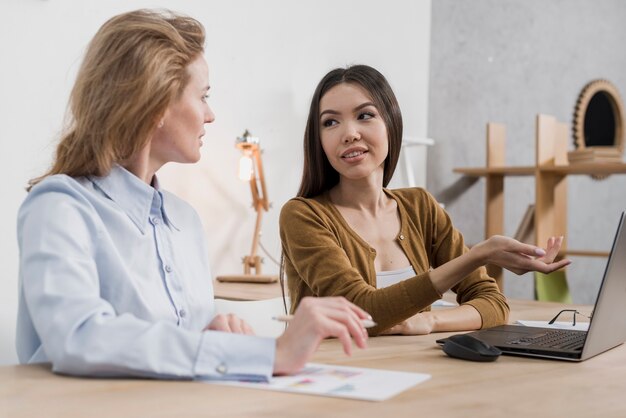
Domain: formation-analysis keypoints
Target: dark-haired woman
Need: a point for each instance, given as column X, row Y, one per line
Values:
column 391, row 252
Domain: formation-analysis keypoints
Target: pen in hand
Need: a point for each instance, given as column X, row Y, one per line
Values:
column 367, row 323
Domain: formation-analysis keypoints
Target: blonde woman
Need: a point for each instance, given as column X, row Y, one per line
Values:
column 114, row 275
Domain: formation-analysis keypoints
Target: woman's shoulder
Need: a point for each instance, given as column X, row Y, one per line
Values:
column 304, row 209
column 306, row 204
column 58, row 187
column 59, row 183
column 58, row 197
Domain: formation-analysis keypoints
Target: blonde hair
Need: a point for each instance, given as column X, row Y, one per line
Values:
column 134, row 67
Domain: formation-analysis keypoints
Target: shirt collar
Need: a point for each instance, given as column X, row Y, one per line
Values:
column 134, row 196
column 163, row 199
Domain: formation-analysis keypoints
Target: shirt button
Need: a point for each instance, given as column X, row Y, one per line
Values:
column 168, row 268
column 221, row 369
column 156, row 220
column 401, row 237
column 182, row 313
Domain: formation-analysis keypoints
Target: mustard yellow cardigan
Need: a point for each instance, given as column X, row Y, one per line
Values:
column 325, row 257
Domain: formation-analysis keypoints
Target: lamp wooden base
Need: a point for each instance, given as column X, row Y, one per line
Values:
column 248, row 278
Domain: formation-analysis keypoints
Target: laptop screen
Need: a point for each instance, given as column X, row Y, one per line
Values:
column 608, row 322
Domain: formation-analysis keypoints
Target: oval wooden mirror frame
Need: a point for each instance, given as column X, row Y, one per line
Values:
column 599, row 122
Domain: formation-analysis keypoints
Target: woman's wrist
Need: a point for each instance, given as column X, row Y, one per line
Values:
column 477, row 255
column 460, row 318
column 431, row 320
column 281, row 361
column 420, row 324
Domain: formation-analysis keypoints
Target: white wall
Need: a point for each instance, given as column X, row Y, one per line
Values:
column 265, row 58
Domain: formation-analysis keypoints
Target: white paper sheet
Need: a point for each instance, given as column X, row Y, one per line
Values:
column 580, row 326
column 339, row 381
column 442, row 302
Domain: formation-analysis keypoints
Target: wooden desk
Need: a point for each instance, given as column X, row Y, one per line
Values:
column 512, row 386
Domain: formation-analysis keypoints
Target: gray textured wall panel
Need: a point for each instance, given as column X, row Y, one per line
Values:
column 505, row 61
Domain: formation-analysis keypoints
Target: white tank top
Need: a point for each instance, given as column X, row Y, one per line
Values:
column 387, row 278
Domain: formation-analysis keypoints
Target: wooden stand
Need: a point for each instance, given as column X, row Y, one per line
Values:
column 252, row 263
column 550, row 171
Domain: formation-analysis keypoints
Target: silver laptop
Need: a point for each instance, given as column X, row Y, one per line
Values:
column 607, row 328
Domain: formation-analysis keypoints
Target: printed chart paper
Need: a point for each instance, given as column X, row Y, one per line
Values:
column 338, row 381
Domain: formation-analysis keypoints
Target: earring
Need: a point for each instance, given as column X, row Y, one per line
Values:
column 160, row 124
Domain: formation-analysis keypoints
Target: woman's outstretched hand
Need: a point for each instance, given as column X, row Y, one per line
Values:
column 521, row 258
column 314, row 320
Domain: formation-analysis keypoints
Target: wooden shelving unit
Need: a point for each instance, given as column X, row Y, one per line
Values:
column 550, row 171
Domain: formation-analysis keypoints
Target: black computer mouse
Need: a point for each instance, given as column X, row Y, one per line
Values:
column 466, row 347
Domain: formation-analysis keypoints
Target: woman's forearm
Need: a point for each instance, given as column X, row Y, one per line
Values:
column 462, row 318
column 449, row 274
column 501, row 251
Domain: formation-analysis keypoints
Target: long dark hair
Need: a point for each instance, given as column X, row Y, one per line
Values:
column 318, row 175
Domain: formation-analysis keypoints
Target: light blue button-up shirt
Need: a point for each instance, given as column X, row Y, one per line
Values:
column 115, row 281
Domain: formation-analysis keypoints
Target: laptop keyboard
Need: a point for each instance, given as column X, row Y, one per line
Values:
column 561, row 339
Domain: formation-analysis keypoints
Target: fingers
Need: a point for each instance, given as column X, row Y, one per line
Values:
column 247, row 329
column 553, row 246
column 505, row 244
column 347, row 324
column 339, row 302
column 552, row 249
column 529, row 250
column 359, row 312
column 238, row 325
column 314, row 320
column 521, row 263
column 234, row 324
column 343, row 315
column 541, row 266
column 336, row 330
column 341, row 306
column 521, row 258
column 549, row 268
column 229, row 323
column 218, row 323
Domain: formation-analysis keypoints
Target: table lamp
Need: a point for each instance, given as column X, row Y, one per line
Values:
column 251, row 170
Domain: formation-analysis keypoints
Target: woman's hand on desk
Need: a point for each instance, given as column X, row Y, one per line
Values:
column 518, row 257
column 314, row 320
column 419, row 324
column 460, row 318
column 229, row 323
